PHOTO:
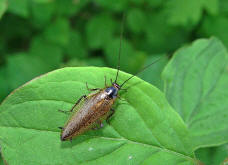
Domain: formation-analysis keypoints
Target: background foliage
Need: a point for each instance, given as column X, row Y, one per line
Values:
column 39, row 36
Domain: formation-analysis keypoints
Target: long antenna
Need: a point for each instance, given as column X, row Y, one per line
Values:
column 140, row 71
column 121, row 37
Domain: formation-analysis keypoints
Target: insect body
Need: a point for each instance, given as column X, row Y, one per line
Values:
column 90, row 110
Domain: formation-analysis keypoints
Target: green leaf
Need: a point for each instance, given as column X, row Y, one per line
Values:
column 4, row 87
column 22, row 67
column 19, row 7
column 160, row 37
column 3, row 7
column 131, row 60
column 76, row 46
column 69, row 8
column 155, row 3
column 58, row 32
column 153, row 74
column 113, row 5
column 136, row 20
column 99, row 31
column 43, row 1
column 215, row 26
column 213, row 155
column 1, row 161
column 92, row 61
column 181, row 12
column 48, row 53
column 195, row 84
column 223, row 7
column 143, row 129
column 42, row 13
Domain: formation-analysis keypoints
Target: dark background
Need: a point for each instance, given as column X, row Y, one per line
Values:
column 39, row 36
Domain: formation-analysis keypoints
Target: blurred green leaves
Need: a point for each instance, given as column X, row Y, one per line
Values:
column 136, row 20
column 58, row 32
column 189, row 12
column 3, row 7
column 19, row 7
column 100, row 30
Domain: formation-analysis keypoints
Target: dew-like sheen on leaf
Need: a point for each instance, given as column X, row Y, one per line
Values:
column 144, row 129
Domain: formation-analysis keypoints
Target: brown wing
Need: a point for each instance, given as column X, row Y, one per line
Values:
column 94, row 108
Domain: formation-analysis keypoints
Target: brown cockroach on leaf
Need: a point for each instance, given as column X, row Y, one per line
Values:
column 92, row 109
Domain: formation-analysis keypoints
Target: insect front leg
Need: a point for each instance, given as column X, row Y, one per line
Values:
column 105, row 82
column 91, row 89
column 79, row 100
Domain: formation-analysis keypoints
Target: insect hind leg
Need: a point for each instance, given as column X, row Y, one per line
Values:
column 91, row 89
column 112, row 111
column 79, row 100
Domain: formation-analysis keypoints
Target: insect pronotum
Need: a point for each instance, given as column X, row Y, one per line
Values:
column 89, row 111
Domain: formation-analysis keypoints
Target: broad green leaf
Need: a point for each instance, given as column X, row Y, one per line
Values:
column 3, row 7
column 153, row 74
column 19, row 7
column 144, row 129
column 181, row 12
column 195, row 84
column 213, row 155
column 99, row 31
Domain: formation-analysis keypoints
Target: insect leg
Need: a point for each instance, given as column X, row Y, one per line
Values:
column 105, row 82
column 112, row 111
column 124, row 89
column 93, row 89
column 84, row 96
column 98, row 125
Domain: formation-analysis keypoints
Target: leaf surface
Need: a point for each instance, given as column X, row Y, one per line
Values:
column 196, row 86
column 144, row 129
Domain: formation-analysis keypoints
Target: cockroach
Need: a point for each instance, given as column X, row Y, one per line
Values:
column 89, row 111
